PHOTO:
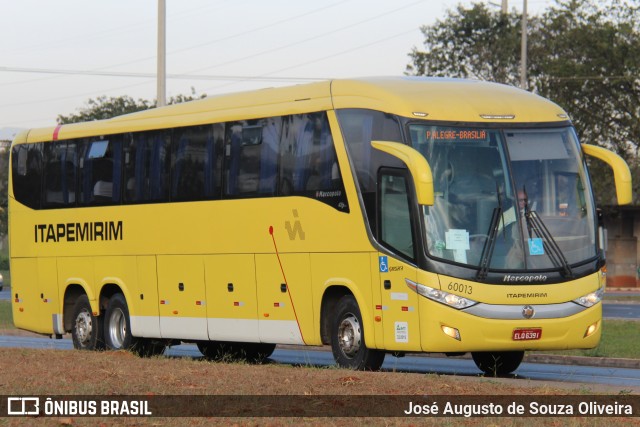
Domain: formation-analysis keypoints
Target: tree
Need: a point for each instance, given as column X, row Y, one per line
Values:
column 583, row 54
column 103, row 107
column 470, row 43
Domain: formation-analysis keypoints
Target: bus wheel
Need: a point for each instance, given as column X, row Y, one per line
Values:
column 347, row 338
column 86, row 333
column 117, row 326
column 498, row 362
column 257, row 352
column 232, row 351
column 211, row 350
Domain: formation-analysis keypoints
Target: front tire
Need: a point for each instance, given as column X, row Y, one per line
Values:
column 347, row 338
column 497, row 363
column 86, row 331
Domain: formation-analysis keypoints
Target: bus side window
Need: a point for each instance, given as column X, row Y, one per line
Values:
column 27, row 174
column 101, row 171
column 60, row 174
column 252, row 157
column 146, row 164
column 193, row 164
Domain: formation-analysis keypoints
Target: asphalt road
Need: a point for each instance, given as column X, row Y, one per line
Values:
column 627, row 380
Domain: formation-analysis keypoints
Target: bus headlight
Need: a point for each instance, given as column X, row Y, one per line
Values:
column 590, row 299
column 451, row 300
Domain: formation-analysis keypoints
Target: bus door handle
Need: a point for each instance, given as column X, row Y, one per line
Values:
column 230, row 287
column 387, row 284
column 181, row 286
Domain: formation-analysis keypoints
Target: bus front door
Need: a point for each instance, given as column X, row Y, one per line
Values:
column 399, row 308
column 400, row 315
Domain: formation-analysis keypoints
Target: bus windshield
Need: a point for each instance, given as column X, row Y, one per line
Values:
column 507, row 199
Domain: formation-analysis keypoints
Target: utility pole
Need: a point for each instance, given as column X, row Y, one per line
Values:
column 523, row 48
column 162, row 54
column 505, row 6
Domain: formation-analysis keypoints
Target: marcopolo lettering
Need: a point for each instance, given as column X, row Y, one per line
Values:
column 78, row 231
column 524, row 278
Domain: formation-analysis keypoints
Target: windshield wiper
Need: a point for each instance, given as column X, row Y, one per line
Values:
column 490, row 243
column 551, row 248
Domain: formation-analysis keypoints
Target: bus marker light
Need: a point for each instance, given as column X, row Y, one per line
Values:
column 21, row 309
column 175, row 311
column 378, row 307
column 266, row 315
column 452, row 332
column 378, row 318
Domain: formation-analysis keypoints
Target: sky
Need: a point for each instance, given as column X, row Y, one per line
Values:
column 56, row 55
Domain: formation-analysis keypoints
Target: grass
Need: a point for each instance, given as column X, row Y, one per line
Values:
column 619, row 339
column 46, row 372
column 6, row 317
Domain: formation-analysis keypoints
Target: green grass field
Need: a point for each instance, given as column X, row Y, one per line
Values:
column 619, row 337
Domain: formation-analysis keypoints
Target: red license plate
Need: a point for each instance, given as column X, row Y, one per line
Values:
column 527, row 334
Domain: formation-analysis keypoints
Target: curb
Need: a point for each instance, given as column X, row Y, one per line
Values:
column 605, row 362
column 555, row 359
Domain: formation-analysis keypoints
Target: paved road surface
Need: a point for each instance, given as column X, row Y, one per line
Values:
column 628, row 380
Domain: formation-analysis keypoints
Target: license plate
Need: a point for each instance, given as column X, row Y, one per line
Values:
column 527, row 334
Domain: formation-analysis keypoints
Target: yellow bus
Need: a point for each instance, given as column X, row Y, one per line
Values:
column 381, row 215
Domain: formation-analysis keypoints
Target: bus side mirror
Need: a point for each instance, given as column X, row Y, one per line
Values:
column 621, row 172
column 418, row 167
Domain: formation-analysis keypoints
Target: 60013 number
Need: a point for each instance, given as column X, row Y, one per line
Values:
column 460, row 287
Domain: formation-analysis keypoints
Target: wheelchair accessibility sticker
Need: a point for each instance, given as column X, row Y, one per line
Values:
column 536, row 247
column 384, row 264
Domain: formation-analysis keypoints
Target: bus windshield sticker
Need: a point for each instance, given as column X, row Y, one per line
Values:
column 457, row 239
column 536, row 247
column 458, row 242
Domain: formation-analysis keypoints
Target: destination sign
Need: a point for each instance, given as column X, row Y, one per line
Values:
column 457, row 135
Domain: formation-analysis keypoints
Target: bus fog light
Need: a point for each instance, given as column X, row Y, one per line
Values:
column 591, row 329
column 452, row 332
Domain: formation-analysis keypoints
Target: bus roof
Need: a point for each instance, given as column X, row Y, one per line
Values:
column 437, row 99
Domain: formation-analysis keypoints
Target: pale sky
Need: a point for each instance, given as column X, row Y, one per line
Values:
column 235, row 45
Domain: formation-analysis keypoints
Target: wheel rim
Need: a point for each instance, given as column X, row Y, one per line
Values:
column 84, row 326
column 117, row 329
column 349, row 336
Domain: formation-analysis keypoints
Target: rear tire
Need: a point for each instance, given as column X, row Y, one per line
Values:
column 117, row 325
column 499, row 362
column 347, row 338
column 86, row 331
